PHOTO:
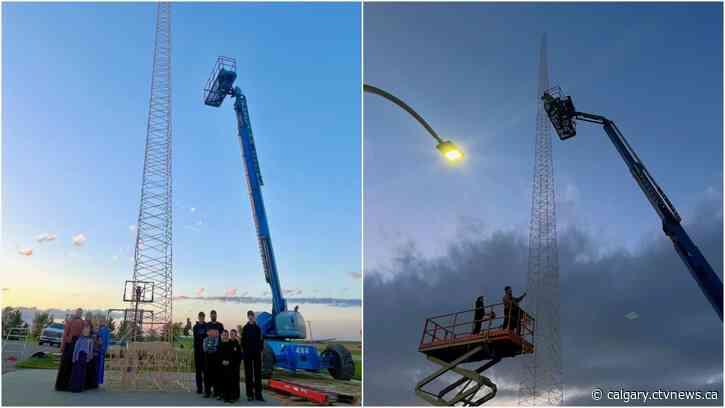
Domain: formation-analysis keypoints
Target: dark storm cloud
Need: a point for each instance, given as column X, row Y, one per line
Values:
column 675, row 343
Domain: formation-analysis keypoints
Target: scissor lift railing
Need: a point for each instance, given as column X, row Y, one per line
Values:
column 453, row 339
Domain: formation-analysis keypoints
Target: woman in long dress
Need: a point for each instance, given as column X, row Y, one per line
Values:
column 92, row 366
column 71, row 331
column 103, row 336
column 237, row 360
column 82, row 354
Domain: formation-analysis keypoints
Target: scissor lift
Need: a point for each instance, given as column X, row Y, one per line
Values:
column 455, row 339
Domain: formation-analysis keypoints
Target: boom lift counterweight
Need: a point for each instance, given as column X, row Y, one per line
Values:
column 562, row 115
column 282, row 324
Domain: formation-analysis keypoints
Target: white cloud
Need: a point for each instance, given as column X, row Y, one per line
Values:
column 231, row 292
column 200, row 292
column 79, row 239
column 25, row 251
column 632, row 316
column 570, row 194
column 45, row 237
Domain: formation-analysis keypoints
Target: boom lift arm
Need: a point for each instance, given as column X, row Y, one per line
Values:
column 282, row 323
column 281, row 326
column 255, row 183
column 562, row 115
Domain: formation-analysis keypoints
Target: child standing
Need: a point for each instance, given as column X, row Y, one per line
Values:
column 236, row 349
column 82, row 354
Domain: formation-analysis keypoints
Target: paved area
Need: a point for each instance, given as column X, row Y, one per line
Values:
column 14, row 351
column 34, row 387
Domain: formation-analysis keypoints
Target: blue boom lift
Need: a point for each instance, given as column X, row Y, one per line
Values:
column 562, row 114
column 282, row 325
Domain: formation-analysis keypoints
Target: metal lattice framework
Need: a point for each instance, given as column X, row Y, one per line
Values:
column 153, row 253
column 541, row 382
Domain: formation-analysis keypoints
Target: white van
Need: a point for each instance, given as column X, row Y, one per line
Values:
column 52, row 335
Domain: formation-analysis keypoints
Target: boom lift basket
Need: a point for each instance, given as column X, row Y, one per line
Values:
column 220, row 82
column 561, row 112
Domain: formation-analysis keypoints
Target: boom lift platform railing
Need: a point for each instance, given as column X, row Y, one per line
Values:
column 458, row 338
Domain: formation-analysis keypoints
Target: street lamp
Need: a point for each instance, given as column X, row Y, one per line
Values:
column 448, row 149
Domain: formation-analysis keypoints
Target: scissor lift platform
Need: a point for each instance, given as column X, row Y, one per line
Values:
column 497, row 342
column 462, row 337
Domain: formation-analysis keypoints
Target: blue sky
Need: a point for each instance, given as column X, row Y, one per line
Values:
column 76, row 80
column 471, row 71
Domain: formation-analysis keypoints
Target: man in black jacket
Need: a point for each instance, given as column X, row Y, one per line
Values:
column 478, row 314
column 252, row 347
column 212, row 374
column 512, row 313
column 199, row 335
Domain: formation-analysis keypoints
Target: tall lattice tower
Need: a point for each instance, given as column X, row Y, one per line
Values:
column 541, row 382
column 152, row 270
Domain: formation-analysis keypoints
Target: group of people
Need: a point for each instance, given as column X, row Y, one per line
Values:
column 511, row 311
column 83, row 352
column 218, row 354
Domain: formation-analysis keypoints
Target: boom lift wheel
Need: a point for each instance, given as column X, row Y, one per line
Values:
column 342, row 364
column 267, row 362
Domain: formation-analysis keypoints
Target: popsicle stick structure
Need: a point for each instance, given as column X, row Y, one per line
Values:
column 149, row 366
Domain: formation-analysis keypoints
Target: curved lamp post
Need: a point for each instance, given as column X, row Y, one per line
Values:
column 448, row 149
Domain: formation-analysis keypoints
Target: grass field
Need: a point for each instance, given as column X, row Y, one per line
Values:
column 37, row 362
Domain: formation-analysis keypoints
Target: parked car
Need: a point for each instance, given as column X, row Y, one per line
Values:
column 52, row 335
column 118, row 342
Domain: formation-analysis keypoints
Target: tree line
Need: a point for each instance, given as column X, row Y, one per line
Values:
column 12, row 318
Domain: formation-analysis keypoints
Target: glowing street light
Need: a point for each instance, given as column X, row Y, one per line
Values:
column 448, row 149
